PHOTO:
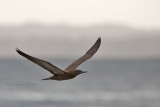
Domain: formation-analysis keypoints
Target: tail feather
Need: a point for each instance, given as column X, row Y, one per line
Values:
column 46, row 79
column 50, row 78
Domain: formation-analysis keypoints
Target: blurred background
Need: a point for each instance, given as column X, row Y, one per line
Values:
column 124, row 72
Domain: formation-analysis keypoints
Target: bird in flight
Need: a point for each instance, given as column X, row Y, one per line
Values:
column 71, row 71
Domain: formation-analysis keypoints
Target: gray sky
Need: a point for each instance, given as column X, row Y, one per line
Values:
column 135, row 13
column 124, row 14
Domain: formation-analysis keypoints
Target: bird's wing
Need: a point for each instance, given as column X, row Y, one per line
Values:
column 44, row 64
column 88, row 55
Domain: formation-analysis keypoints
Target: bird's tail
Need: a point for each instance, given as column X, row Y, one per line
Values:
column 47, row 78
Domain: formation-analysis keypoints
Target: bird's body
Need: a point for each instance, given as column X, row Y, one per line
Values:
column 71, row 71
column 65, row 76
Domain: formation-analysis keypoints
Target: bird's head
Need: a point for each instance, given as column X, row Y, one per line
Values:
column 80, row 72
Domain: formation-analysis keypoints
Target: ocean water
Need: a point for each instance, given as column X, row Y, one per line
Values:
column 108, row 83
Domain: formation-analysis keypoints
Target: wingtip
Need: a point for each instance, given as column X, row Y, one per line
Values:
column 99, row 40
column 17, row 49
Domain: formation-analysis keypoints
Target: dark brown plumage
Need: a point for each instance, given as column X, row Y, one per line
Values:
column 71, row 71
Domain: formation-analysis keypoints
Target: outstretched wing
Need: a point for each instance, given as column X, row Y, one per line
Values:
column 44, row 64
column 88, row 55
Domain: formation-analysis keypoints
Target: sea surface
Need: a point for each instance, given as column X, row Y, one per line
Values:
column 108, row 83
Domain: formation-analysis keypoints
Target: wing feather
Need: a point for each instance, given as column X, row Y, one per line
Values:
column 44, row 64
column 85, row 57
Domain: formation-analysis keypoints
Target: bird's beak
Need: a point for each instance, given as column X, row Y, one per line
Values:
column 83, row 72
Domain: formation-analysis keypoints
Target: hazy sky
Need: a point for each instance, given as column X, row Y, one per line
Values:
column 135, row 13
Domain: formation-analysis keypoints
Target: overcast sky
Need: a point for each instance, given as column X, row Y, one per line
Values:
column 135, row 13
